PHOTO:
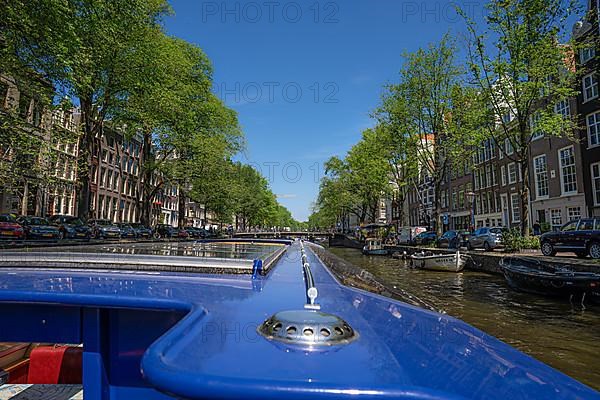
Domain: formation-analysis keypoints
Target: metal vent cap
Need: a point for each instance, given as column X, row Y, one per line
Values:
column 308, row 328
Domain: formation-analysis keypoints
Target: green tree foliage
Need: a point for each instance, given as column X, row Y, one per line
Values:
column 356, row 184
column 426, row 114
column 521, row 70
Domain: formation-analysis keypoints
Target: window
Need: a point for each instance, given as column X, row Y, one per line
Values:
column 24, row 104
column 571, row 226
column 568, row 177
column 508, row 148
column 586, row 54
column 556, row 218
column 516, row 207
column 596, row 183
column 563, row 107
column 590, row 87
column 593, row 129
column 540, row 176
column 512, row 173
column 586, row 225
column 503, row 175
column 534, row 121
column 573, row 213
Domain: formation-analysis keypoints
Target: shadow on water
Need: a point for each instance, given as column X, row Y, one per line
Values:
column 552, row 330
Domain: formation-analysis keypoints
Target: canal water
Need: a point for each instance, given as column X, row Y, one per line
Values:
column 562, row 335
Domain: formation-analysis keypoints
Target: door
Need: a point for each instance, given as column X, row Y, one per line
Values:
column 568, row 236
column 583, row 234
column 505, row 211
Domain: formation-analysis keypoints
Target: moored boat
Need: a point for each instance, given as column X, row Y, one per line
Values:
column 534, row 276
column 439, row 262
column 374, row 247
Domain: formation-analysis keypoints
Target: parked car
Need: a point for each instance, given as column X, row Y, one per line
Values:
column 142, row 231
column 71, row 227
column 581, row 237
column 182, row 234
column 104, row 229
column 425, row 238
column 192, row 232
column 407, row 234
column 38, row 228
column 10, row 228
column 165, row 231
column 454, row 239
column 127, row 231
column 487, row 238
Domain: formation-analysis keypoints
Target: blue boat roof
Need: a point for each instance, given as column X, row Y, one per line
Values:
column 214, row 350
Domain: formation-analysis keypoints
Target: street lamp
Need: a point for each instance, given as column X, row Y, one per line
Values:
column 471, row 197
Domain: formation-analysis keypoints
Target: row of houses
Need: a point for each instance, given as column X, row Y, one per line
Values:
column 564, row 171
column 116, row 170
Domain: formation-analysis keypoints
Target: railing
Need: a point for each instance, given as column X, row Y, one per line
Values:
column 309, row 282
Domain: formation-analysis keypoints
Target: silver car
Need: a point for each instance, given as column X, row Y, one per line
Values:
column 485, row 238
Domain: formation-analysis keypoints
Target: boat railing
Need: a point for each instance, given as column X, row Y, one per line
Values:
column 309, row 282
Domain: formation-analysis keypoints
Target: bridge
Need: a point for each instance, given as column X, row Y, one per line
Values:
column 264, row 235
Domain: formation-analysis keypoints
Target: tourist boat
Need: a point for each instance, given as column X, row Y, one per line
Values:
column 534, row 276
column 439, row 262
column 374, row 247
column 249, row 320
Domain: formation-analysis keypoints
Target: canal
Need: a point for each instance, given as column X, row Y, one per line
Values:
column 551, row 330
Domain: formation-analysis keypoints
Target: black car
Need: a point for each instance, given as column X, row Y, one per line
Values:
column 581, row 237
column 71, row 227
column 127, row 231
column 425, row 238
column 453, row 239
column 165, row 231
column 38, row 228
column 142, row 231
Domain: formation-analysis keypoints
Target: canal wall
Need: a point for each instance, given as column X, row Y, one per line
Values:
column 490, row 261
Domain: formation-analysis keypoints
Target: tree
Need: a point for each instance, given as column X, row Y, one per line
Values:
column 426, row 112
column 94, row 51
column 521, row 71
column 356, row 184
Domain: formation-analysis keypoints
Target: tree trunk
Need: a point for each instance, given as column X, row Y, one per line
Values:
column 84, row 158
column 146, row 192
column 25, row 200
column 525, row 199
column 437, row 210
column 181, row 215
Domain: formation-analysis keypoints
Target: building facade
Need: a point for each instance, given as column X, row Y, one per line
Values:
column 587, row 35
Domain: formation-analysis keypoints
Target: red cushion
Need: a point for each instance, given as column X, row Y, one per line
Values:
column 44, row 364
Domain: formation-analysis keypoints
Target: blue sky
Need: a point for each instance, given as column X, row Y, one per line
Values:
column 304, row 76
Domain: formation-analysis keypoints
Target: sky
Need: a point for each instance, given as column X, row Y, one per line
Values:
column 304, row 75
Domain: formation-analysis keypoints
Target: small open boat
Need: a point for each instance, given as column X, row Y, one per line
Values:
column 374, row 247
column 439, row 262
column 533, row 276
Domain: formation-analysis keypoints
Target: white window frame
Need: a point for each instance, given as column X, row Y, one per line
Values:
column 586, row 54
column 510, row 181
column 512, row 207
column 596, row 116
column 561, row 166
column 537, row 174
column 591, row 86
column 508, row 145
column 563, row 107
column 503, row 175
column 595, row 187
column 533, row 122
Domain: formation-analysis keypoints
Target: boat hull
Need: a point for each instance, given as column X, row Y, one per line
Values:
column 527, row 278
column 441, row 263
column 379, row 252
